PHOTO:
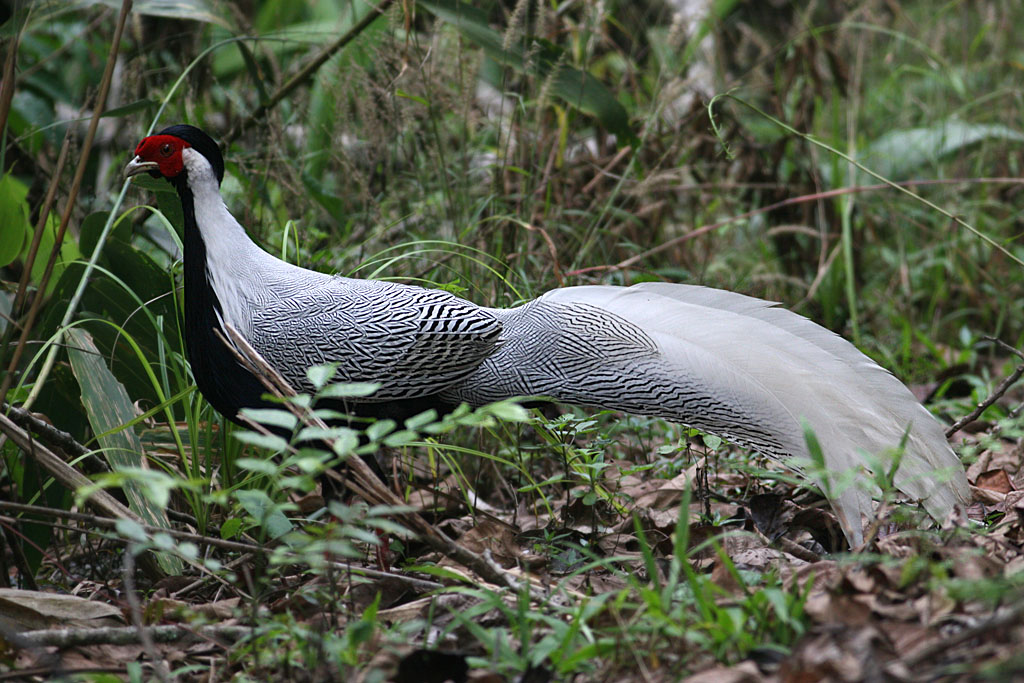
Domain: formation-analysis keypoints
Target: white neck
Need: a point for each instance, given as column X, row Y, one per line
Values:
column 243, row 276
column 235, row 265
column 224, row 237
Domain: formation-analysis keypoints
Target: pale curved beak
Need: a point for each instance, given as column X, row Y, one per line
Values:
column 137, row 166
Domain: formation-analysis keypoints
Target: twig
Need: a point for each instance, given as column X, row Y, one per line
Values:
column 606, row 171
column 797, row 550
column 997, row 394
column 412, row 582
column 248, row 548
column 128, row 635
column 68, row 476
column 552, row 250
column 817, row 196
column 1011, row 616
column 9, row 71
column 135, row 610
column 107, row 523
column 44, row 215
column 64, row 672
column 305, row 73
column 12, row 527
column 72, row 479
column 202, row 580
column 876, row 526
column 69, row 207
column 366, row 482
column 51, row 436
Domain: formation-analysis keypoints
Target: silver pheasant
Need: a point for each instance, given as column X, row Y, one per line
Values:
column 725, row 363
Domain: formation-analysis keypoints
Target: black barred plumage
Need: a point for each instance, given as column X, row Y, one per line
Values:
column 725, row 363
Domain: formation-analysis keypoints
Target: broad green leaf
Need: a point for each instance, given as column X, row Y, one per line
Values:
column 900, row 153
column 265, row 511
column 509, row 411
column 379, row 429
column 6, row 304
column 349, row 390
column 68, row 252
column 319, row 375
column 400, row 438
column 272, row 417
column 167, row 200
column 230, row 528
column 109, row 408
column 347, row 434
column 424, row 418
column 130, row 529
column 15, row 229
column 257, row 465
column 92, row 228
column 334, row 205
column 271, row 442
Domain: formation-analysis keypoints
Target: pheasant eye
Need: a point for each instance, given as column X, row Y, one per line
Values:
column 166, row 149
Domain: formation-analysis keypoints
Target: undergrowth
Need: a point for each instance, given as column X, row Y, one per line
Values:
column 455, row 147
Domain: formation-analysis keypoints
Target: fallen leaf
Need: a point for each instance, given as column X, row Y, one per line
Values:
column 744, row 672
column 26, row 610
column 995, row 480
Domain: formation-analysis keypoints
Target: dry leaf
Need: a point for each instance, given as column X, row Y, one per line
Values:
column 995, row 480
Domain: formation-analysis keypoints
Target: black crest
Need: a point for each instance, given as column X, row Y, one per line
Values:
column 202, row 143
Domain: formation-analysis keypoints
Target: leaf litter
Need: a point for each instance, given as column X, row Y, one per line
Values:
column 913, row 605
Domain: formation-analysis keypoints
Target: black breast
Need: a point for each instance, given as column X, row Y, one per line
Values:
column 224, row 383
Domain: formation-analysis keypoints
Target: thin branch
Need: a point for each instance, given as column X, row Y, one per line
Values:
column 68, row 476
column 135, row 611
column 1000, row 621
column 9, row 78
column 803, row 199
column 128, row 635
column 305, row 73
column 366, row 482
column 797, row 550
column 72, row 479
column 996, row 394
column 107, row 523
column 602, row 173
column 76, row 185
column 44, row 214
column 224, row 544
column 49, row 435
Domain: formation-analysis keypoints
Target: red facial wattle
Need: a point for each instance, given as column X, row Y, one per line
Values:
column 165, row 151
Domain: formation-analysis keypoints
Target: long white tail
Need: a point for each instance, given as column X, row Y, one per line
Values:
column 731, row 365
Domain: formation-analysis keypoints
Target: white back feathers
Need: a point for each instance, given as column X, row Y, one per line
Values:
column 782, row 371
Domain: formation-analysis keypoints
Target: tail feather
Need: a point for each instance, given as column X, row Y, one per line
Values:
column 732, row 365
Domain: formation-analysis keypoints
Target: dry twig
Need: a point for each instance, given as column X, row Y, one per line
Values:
column 363, row 480
column 996, row 394
column 305, row 73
